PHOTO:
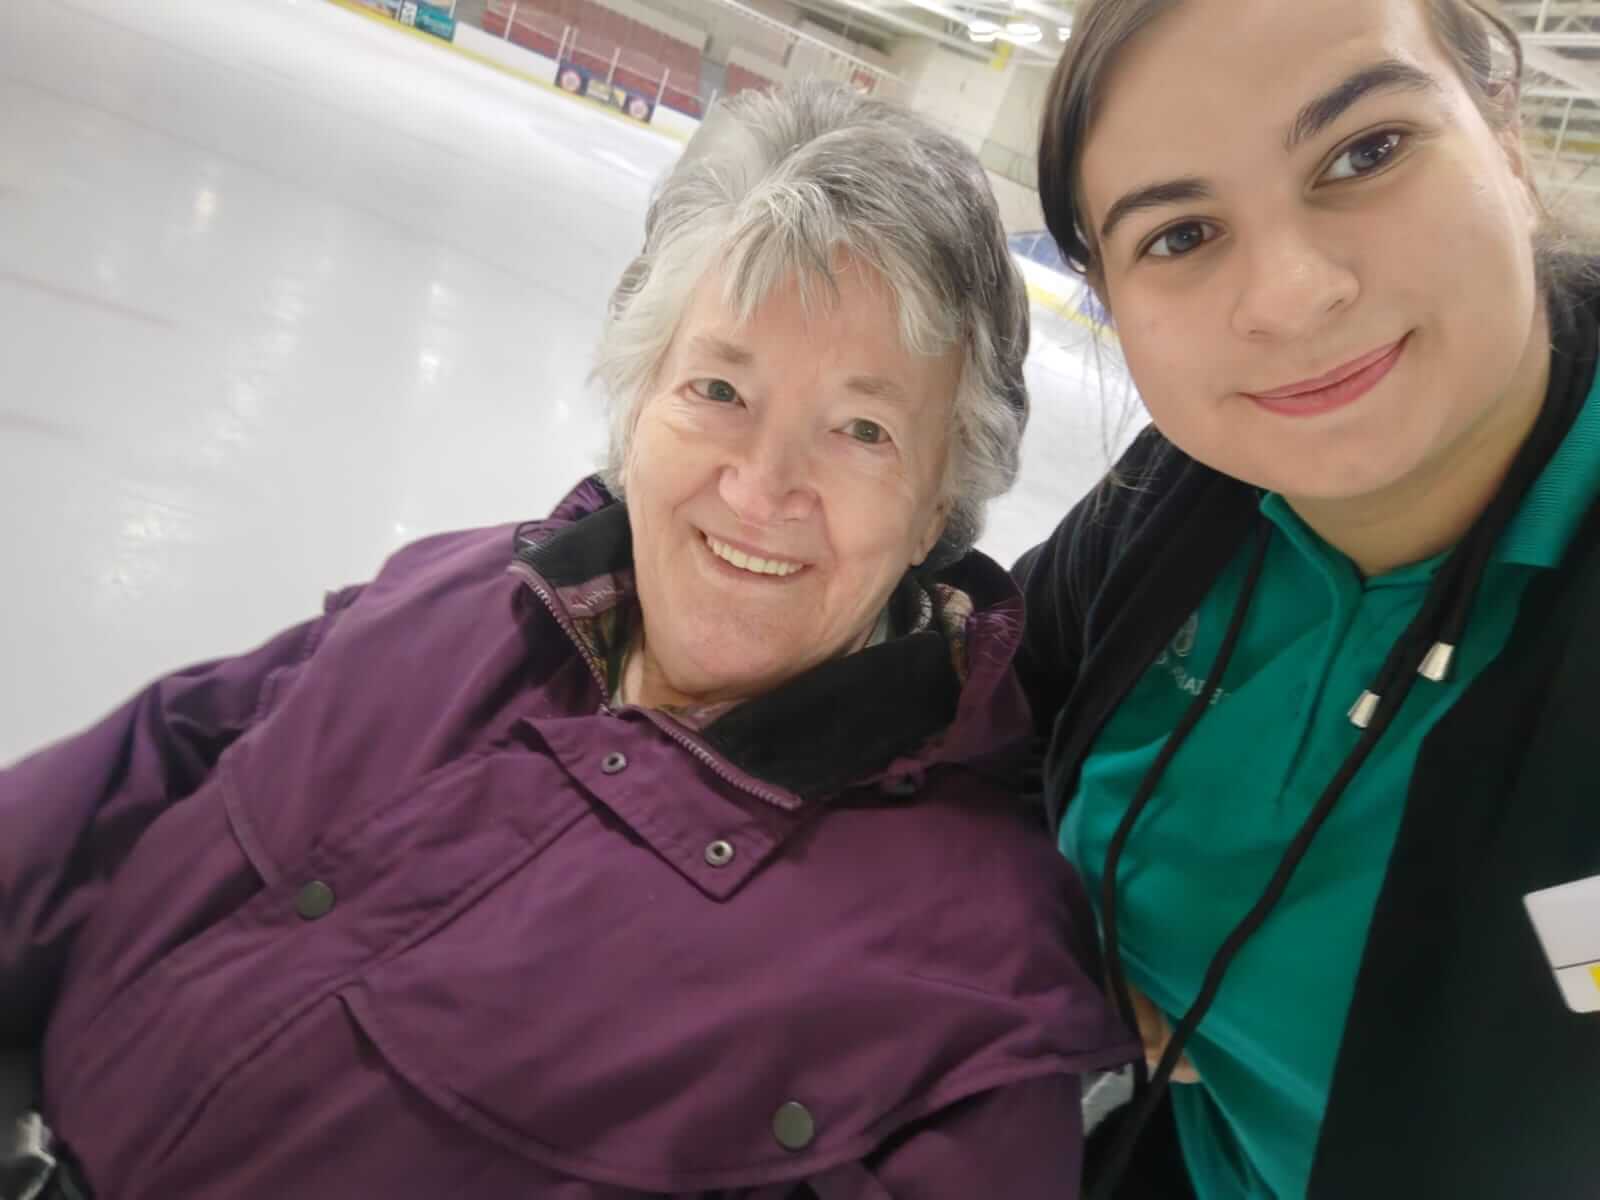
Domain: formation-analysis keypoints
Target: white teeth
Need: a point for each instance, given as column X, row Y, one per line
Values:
column 748, row 562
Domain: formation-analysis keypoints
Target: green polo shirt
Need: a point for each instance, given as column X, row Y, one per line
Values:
column 1241, row 786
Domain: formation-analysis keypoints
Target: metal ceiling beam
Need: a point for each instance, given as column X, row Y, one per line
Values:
column 1571, row 71
column 962, row 45
column 798, row 36
column 1053, row 13
column 1035, row 49
column 1554, row 93
column 1562, row 41
column 1532, row 10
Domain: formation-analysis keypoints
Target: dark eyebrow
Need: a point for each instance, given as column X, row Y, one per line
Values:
column 722, row 350
column 1176, row 191
column 1389, row 75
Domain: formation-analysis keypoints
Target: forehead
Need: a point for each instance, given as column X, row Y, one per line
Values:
column 1214, row 78
column 847, row 338
column 855, row 316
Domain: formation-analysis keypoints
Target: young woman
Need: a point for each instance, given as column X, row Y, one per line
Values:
column 1318, row 663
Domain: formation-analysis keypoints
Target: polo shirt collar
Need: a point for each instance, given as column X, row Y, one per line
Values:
column 1560, row 498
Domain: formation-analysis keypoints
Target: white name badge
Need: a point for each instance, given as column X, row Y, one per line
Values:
column 1567, row 919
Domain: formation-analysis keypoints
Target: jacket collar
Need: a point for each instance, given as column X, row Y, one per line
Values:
column 941, row 692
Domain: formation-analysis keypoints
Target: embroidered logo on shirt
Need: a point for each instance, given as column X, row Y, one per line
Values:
column 1170, row 661
column 1183, row 641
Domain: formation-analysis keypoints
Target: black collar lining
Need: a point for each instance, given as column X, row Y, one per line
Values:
column 841, row 722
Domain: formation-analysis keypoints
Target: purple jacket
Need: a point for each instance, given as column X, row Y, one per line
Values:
column 398, row 906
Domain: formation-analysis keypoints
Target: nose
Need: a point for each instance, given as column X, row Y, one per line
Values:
column 768, row 482
column 1291, row 286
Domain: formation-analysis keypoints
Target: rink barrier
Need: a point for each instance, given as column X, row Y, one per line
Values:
column 1062, row 305
column 362, row 10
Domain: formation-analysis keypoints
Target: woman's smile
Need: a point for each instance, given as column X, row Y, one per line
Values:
column 748, row 562
column 1338, row 388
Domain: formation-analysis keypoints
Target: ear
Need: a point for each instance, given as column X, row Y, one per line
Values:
column 625, row 466
column 1096, row 280
column 931, row 532
column 630, row 448
column 1533, row 209
column 1509, row 139
column 1511, row 145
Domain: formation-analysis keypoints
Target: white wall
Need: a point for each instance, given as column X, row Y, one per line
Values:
column 977, row 102
column 840, row 42
column 729, row 28
column 807, row 60
column 752, row 60
column 1016, row 121
column 691, row 31
column 1019, row 206
column 957, row 94
column 907, row 58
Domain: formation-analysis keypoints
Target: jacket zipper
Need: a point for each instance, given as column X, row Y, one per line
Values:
column 667, row 725
column 531, row 577
column 718, row 765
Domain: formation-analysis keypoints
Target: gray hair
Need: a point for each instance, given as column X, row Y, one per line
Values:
column 772, row 187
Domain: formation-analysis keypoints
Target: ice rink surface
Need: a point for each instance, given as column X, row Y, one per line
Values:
column 282, row 289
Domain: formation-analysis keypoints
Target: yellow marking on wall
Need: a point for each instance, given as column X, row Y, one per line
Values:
column 1065, row 308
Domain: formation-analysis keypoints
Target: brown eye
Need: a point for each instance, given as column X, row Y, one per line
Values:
column 1364, row 157
column 868, row 432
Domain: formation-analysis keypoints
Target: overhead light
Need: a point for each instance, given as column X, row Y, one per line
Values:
column 983, row 31
column 1063, row 32
column 1025, row 32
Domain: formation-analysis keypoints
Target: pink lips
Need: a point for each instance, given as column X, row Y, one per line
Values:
column 1339, row 387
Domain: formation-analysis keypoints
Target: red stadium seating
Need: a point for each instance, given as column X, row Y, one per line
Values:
column 741, row 79
column 592, row 34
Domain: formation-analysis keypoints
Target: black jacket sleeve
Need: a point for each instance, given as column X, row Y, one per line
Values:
column 1052, row 642
column 1062, row 578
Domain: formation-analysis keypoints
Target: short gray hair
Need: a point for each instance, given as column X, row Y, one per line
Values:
column 772, row 186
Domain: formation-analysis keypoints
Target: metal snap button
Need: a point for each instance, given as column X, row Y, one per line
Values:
column 793, row 1127
column 614, row 762
column 314, row 900
column 719, row 853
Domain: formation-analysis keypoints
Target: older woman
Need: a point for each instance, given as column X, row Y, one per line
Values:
column 678, row 858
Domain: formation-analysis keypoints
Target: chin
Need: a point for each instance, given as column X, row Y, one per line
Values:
column 1340, row 469
column 1331, row 489
column 728, row 675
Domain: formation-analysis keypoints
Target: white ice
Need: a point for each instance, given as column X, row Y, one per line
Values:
column 282, row 289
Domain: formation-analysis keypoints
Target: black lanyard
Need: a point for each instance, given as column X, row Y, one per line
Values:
column 1425, row 650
